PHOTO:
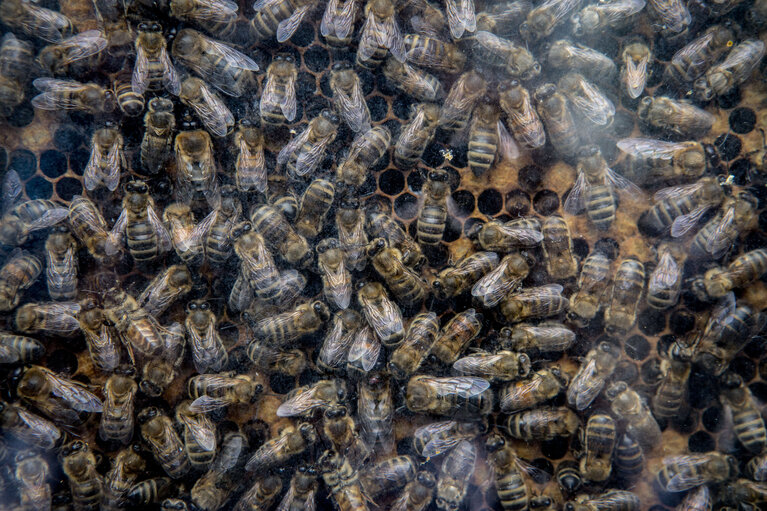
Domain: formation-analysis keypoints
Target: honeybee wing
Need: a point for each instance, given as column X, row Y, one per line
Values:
column 353, row 108
column 420, row 85
column 480, row 364
column 259, row 5
column 251, row 166
column 457, row 101
column 593, row 104
column 721, row 238
column 50, row 218
column 337, row 343
column 287, row 27
column 383, row 316
column 12, row 188
column 8, row 355
column 163, row 238
column 41, row 429
column 111, row 173
column 439, row 440
column 636, row 75
column 213, row 113
column 619, row 182
column 169, row 75
column 674, row 192
column 414, row 126
column 308, row 501
column 401, row 503
column 217, row 11
column 694, row 54
column 467, row 386
column 339, row 283
column 338, row 23
column 140, row 77
column 56, row 94
column 307, row 161
column 200, row 431
column 647, row 148
column 615, row 12
column 517, row 392
column 461, row 17
column 520, row 236
column 561, row 8
column 384, row 34
column 262, row 458
column 743, row 59
column 506, row 144
column 231, row 59
column 673, row 13
column 300, row 402
column 689, row 477
column 83, row 45
column 114, row 239
column 683, row 224
column 60, row 274
column 292, row 147
column 586, row 386
column 44, row 23
column 666, row 274
column 153, row 292
column 102, row 345
column 204, row 404
column 494, row 285
column 366, row 348
column 576, row 200
column 77, row 396
column 199, row 231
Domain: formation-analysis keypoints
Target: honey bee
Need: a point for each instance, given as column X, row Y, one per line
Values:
column 350, row 224
column 117, row 417
column 278, row 17
column 542, row 424
column 196, row 168
column 90, row 228
column 138, row 329
column 79, row 465
column 381, row 225
column 687, row 471
column 305, row 399
column 719, row 234
column 417, row 494
column 159, row 124
column 281, row 236
column 587, row 99
column 278, row 101
column 598, row 442
column 199, row 435
column 595, row 189
column 146, row 236
column 498, row 367
column 523, row 119
column 747, row 421
column 669, row 398
column 438, row 438
column 632, row 409
column 460, row 397
column 388, row 476
column 670, row 17
column 303, row 154
column 71, row 95
column 636, row 58
column 691, row 61
column 382, row 314
column 592, row 282
column 261, row 495
column 487, row 136
column 258, row 271
column 342, row 481
column 348, row 98
column 510, row 236
column 366, row 150
column 697, row 499
column 339, row 339
column 507, row 276
column 208, row 106
column 219, row 64
column 159, row 372
column 213, row 391
column 211, row 490
column 167, row 287
column 611, row 500
column 208, row 351
column 412, row 81
column 150, row 491
column 629, row 458
column 736, row 68
column 552, row 106
column 35, row 21
column 339, row 430
column 433, row 53
column 747, row 267
column 126, row 468
column 558, row 248
column 665, row 283
column 417, row 343
column 18, row 273
column 28, row 427
column 592, row 64
column 153, row 65
column 250, row 168
column 157, row 431
column 406, row 285
column 675, row 116
column 542, row 20
column 23, row 349
column 456, row 335
column 507, row 471
column 56, row 58
column 130, row 103
column 756, row 468
column 416, row 134
column 569, row 476
column 501, row 18
column 269, row 360
column 336, row 279
column 291, row 442
column 455, row 280
column 596, row 19
column 533, row 391
column 287, row 327
column 302, row 490
column 106, row 161
column 315, row 203
column 214, row 16
column 31, row 473
column 628, row 285
column 61, row 265
column 337, row 22
column 679, row 208
column 455, row 472
column 515, row 59
column 187, row 238
column 16, row 59
column 432, row 217
column 63, row 401
column 652, row 160
column 590, row 379
column 533, row 303
column 380, row 35
column 463, row 96
column 375, row 409
column 53, row 318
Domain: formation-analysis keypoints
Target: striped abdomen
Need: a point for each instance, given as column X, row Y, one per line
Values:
column 431, row 221
column 601, row 206
column 483, row 144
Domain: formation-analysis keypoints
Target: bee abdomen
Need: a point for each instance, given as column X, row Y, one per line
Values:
column 601, row 206
column 750, row 430
column 482, row 148
column 431, row 224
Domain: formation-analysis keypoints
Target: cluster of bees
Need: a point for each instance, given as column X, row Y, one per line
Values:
column 329, row 290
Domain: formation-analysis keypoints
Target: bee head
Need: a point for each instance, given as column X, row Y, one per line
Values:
column 494, row 443
column 376, row 246
column 341, row 65
column 321, row 310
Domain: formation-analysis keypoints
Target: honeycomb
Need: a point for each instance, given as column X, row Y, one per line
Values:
column 50, row 151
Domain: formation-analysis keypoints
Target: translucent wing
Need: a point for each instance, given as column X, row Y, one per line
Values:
column 213, row 113
column 636, row 75
column 288, row 103
column 493, row 43
column 140, row 77
column 169, row 75
column 337, row 343
column 516, row 236
column 616, row 12
column 675, row 192
column 114, row 239
column 666, row 274
column 366, row 348
column 200, row 431
column 44, row 23
column 217, row 11
column 292, row 146
column 384, row 34
column 683, row 224
column 251, row 166
column 339, row 23
column 83, row 45
column 561, row 8
column 475, row 264
column 300, row 403
column 479, row 364
column 693, row 56
column 204, row 404
column 163, row 238
column 77, row 396
column 576, row 200
column 49, row 218
column 440, row 444
column 461, row 17
column 327, row 25
column 220, row 76
column 742, row 60
column 307, row 161
column 259, row 5
column 593, row 104
column 491, row 288
column 57, row 94
column 40, row 428
column 262, row 458
column 465, row 385
column 383, row 316
column 515, row 393
column 287, row 27
column 353, row 108
column 687, row 477
column 619, row 182
column 647, row 148
column 421, row 87
column 506, row 144
column 12, row 188
column 338, row 283
column 721, row 238
column 111, row 172
column 59, row 274
column 586, row 386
